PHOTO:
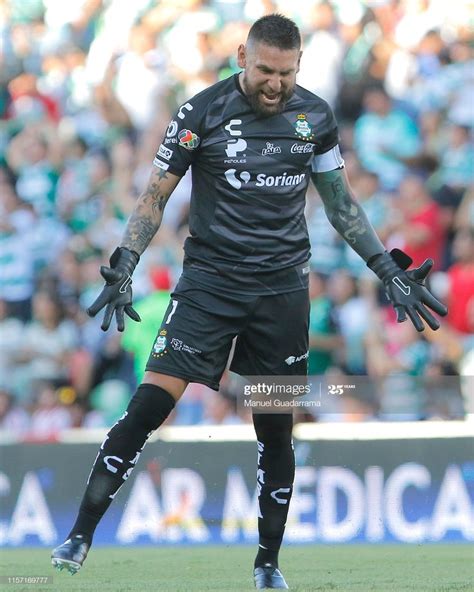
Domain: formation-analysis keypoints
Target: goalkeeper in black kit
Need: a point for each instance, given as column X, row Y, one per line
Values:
column 253, row 142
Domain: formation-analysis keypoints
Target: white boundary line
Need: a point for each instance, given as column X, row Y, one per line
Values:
column 336, row 431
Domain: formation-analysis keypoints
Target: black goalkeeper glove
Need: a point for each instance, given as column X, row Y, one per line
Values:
column 116, row 295
column 406, row 289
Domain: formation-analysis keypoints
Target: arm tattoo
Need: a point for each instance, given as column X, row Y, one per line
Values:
column 148, row 213
column 346, row 215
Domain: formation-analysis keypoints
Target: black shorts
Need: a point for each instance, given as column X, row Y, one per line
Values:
column 196, row 334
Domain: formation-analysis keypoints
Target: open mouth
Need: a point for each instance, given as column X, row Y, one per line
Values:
column 270, row 99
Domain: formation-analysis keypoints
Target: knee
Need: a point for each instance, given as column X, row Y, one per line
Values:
column 171, row 384
column 149, row 407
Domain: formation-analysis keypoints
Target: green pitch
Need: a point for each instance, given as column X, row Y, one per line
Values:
column 337, row 568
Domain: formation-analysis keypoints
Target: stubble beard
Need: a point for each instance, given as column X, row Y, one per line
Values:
column 262, row 110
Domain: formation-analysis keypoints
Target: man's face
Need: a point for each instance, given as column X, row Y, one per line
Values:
column 269, row 76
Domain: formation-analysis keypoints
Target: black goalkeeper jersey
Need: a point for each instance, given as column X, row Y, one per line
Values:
column 249, row 175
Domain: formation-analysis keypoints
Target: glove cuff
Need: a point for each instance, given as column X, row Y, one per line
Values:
column 384, row 266
column 124, row 259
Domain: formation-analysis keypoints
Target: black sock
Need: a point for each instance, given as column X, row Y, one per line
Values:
column 275, row 476
column 119, row 453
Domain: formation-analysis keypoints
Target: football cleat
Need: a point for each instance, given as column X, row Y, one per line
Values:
column 71, row 554
column 269, row 576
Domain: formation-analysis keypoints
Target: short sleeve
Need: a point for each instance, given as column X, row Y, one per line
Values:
column 329, row 134
column 181, row 142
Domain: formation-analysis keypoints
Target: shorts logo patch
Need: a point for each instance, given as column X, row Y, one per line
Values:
column 295, row 359
column 178, row 345
column 188, row 139
column 160, row 345
column 303, row 129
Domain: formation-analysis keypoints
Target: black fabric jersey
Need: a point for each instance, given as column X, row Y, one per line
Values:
column 250, row 175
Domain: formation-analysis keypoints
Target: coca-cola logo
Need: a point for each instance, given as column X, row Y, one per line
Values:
column 302, row 148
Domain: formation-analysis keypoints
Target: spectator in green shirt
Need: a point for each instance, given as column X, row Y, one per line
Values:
column 324, row 338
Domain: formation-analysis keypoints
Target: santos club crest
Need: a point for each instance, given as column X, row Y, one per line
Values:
column 303, row 129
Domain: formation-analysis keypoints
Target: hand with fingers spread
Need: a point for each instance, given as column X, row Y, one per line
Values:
column 406, row 289
column 116, row 295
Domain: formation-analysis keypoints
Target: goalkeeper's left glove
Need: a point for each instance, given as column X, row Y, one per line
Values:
column 116, row 295
column 406, row 289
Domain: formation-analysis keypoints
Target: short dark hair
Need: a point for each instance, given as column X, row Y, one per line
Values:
column 275, row 30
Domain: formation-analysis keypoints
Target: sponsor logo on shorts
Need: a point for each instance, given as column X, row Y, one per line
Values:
column 164, row 152
column 295, row 359
column 188, row 139
column 160, row 164
column 179, row 345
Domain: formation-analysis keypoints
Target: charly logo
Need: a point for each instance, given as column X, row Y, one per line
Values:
column 187, row 107
column 236, row 182
column 188, row 139
column 230, row 127
column 271, row 149
column 303, row 129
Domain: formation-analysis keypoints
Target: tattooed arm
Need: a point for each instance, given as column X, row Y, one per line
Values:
column 346, row 214
column 116, row 295
column 148, row 212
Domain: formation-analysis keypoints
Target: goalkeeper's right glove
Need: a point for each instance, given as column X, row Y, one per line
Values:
column 116, row 295
column 406, row 289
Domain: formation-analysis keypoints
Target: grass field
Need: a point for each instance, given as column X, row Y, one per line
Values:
column 355, row 568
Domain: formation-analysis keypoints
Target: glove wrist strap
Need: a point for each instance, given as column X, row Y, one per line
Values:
column 384, row 266
column 124, row 259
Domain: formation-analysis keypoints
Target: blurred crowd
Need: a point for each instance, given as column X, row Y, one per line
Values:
column 87, row 88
